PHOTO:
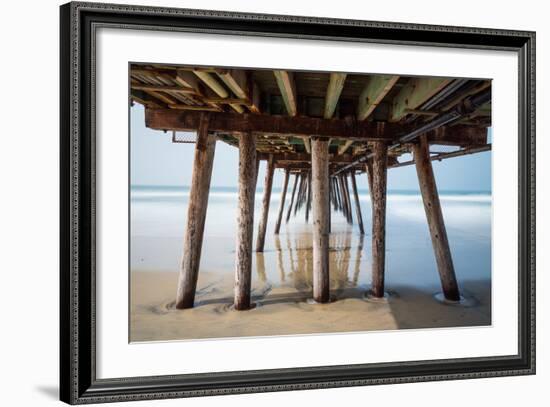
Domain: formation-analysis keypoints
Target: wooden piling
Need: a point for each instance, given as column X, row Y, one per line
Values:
column 347, row 200
column 289, row 211
column 282, row 203
column 321, row 208
column 368, row 168
column 196, row 215
column 357, row 204
column 343, row 197
column 338, row 196
column 432, row 207
column 379, row 180
column 332, row 193
column 299, row 197
column 245, row 220
column 308, row 197
column 268, row 184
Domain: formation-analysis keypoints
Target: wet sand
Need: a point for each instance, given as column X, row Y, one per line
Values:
column 285, row 311
column 282, row 275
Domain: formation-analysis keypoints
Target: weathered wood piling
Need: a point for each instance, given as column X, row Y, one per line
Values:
column 363, row 124
column 245, row 220
column 196, row 215
column 289, row 211
column 282, row 202
column 434, row 215
column 268, row 184
column 357, row 203
column 321, row 222
column 379, row 175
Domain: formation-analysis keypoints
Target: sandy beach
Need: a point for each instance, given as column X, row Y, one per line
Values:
column 281, row 281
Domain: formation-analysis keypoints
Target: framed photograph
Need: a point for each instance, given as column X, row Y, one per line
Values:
column 255, row 203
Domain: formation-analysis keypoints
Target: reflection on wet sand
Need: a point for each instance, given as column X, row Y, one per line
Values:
column 282, row 286
column 295, row 261
column 282, row 280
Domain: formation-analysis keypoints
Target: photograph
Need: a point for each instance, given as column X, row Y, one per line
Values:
column 257, row 202
column 267, row 202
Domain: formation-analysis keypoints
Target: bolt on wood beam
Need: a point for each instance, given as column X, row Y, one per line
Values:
column 415, row 93
column 374, row 92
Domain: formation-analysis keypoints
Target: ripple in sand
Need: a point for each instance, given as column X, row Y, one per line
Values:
column 465, row 301
column 388, row 297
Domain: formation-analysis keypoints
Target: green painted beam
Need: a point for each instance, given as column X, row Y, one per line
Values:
column 415, row 93
column 377, row 87
column 285, row 81
column 334, row 89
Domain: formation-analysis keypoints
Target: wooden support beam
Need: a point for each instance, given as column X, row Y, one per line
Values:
column 348, row 198
column 321, row 222
column 162, row 88
column 242, row 86
column 436, row 224
column 343, row 197
column 268, row 184
column 188, row 81
column 196, row 216
column 245, row 220
column 377, row 88
column 340, row 196
column 303, row 157
column 368, row 170
column 357, row 204
column 332, row 194
column 308, row 200
column 169, row 100
column 379, row 180
column 282, row 202
column 235, row 80
column 168, row 119
column 145, row 99
column 178, row 106
column 285, row 82
column 329, row 201
column 289, row 211
column 307, row 144
column 334, row 89
column 213, row 84
column 415, row 93
column 344, row 147
column 191, row 81
column 336, row 194
column 300, row 189
column 458, row 135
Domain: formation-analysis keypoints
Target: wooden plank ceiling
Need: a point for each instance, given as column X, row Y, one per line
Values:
column 333, row 97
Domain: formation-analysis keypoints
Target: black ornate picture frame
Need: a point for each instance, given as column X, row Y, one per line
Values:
column 78, row 380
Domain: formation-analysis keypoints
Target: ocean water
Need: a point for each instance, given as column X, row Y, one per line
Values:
column 158, row 218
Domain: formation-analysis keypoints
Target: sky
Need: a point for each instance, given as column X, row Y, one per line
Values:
column 155, row 160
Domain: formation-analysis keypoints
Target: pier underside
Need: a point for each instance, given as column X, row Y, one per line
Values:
column 323, row 130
